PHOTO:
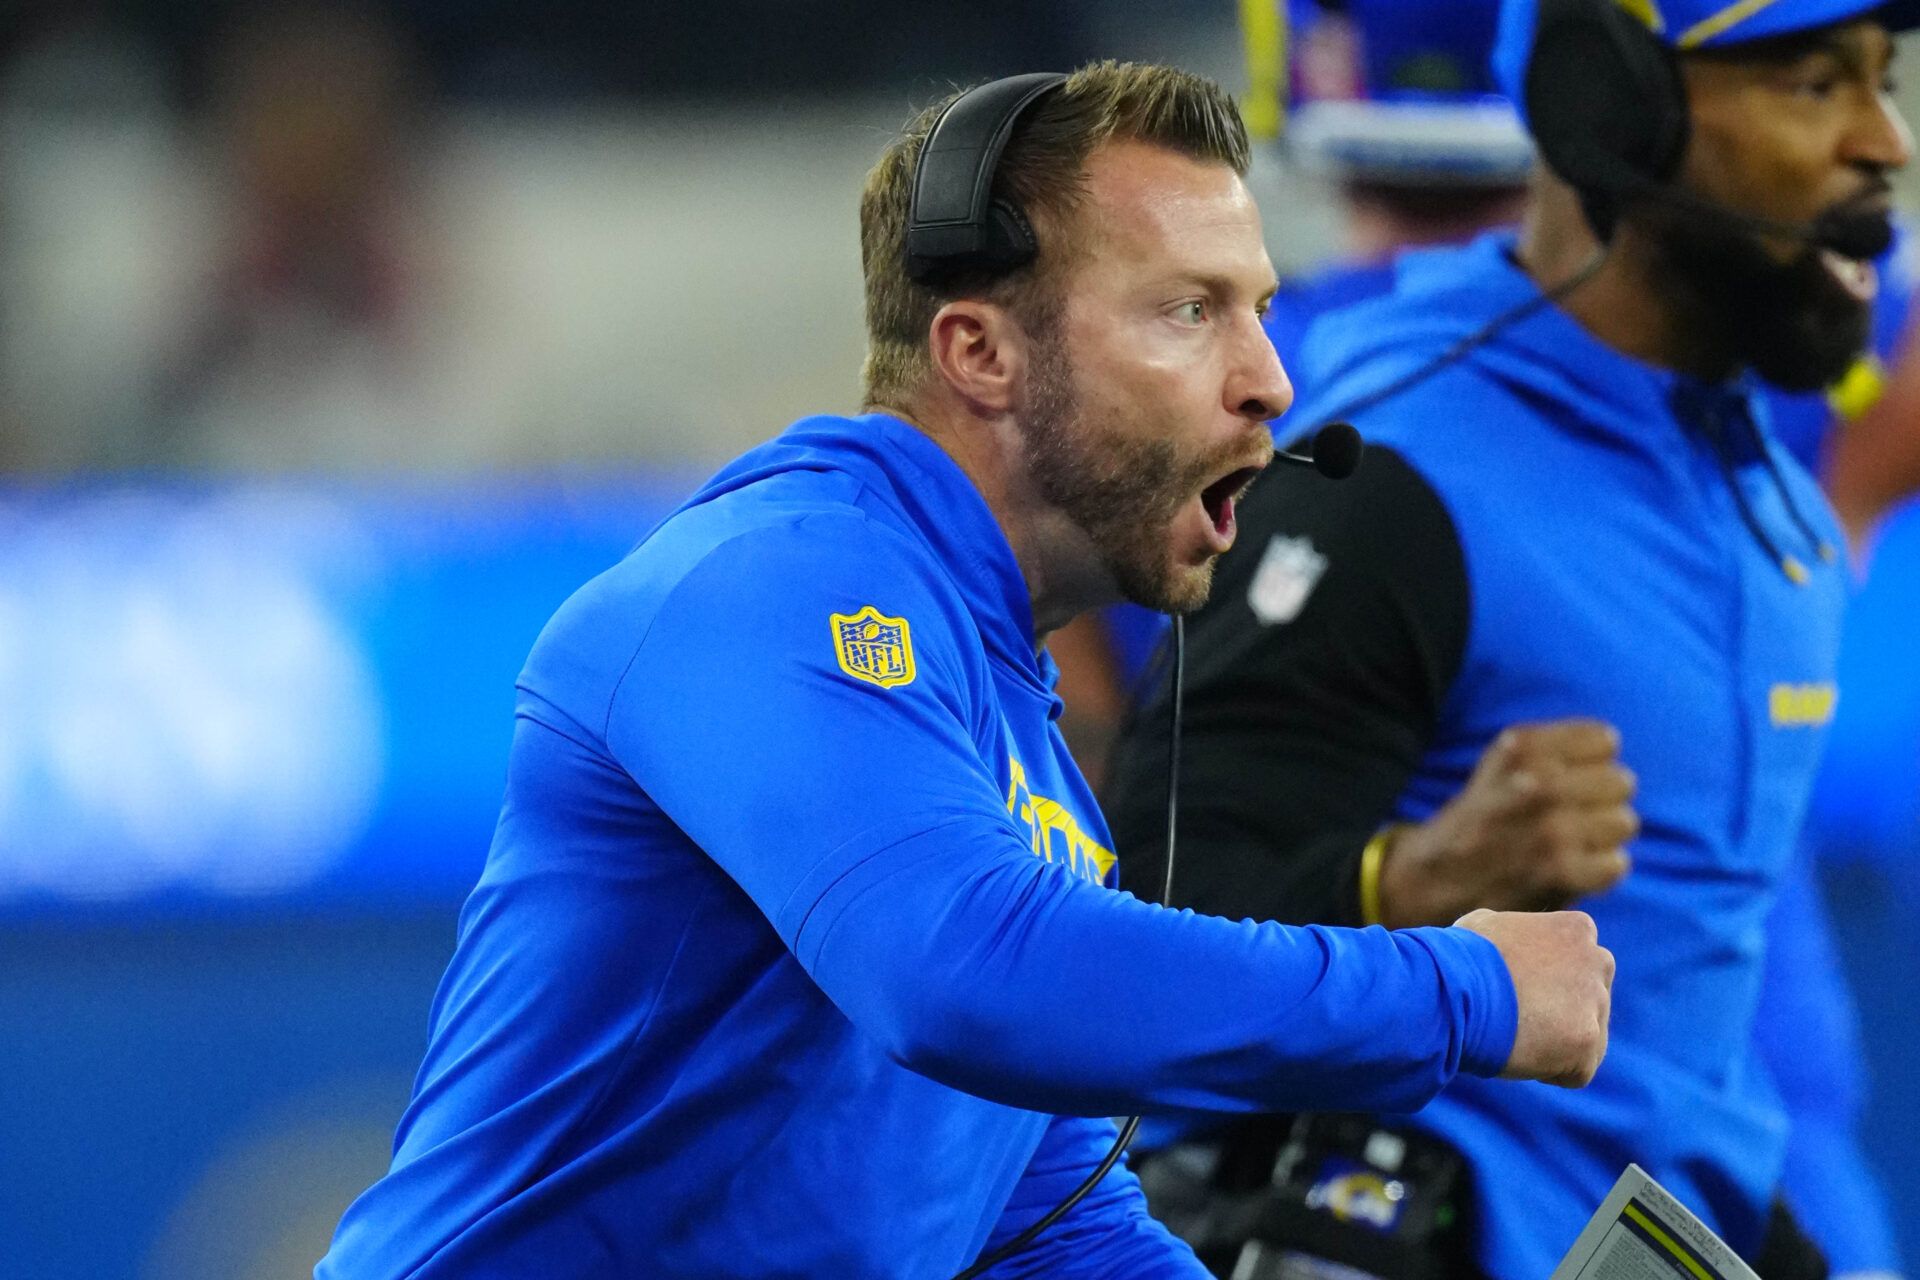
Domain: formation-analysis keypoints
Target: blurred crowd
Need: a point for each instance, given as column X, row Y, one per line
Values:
column 358, row 235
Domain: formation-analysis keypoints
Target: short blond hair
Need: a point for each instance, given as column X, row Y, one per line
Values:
column 1043, row 172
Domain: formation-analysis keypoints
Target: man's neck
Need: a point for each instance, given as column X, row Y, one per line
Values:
column 1626, row 305
column 1056, row 559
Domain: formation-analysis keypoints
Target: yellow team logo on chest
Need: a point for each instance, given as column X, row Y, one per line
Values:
column 1801, row 706
column 1053, row 832
column 873, row 647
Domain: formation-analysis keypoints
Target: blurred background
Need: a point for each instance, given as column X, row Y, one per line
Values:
column 338, row 344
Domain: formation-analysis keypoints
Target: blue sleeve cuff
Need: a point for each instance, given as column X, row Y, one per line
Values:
column 1479, row 989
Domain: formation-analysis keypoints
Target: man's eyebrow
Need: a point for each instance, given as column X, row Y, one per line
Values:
column 1221, row 284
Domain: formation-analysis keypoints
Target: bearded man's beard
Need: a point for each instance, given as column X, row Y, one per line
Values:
column 1790, row 322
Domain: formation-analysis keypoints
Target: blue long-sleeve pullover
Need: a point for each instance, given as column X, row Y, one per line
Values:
column 1635, row 547
column 795, row 953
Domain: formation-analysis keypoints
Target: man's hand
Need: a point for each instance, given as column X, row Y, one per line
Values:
column 1564, row 980
column 1542, row 823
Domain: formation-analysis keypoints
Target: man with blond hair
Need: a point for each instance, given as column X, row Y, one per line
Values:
column 796, row 953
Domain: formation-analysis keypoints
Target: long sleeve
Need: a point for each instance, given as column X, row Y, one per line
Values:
column 867, row 822
column 1315, row 680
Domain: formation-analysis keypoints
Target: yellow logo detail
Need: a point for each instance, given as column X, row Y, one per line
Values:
column 873, row 647
column 1054, row 833
column 1801, row 706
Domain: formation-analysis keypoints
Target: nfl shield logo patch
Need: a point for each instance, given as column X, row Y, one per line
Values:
column 1287, row 575
column 873, row 647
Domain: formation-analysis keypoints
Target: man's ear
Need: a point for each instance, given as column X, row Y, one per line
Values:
column 980, row 351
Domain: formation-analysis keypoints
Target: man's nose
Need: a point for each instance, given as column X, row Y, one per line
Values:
column 1260, row 389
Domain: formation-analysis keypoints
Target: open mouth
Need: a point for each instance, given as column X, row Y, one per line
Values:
column 1860, row 280
column 1218, row 498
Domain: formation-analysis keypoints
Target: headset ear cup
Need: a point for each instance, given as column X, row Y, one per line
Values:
column 955, row 228
column 1605, row 101
column 1010, row 239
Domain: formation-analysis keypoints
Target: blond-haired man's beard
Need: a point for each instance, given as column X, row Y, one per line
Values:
column 1121, row 480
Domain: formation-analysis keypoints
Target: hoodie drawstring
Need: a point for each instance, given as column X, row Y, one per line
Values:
column 1792, row 566
column 1822, row 548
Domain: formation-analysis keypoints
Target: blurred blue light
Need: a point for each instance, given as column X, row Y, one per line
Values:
column 275, row 690
column 303, row 693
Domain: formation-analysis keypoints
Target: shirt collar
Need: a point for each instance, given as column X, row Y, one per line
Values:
column 949, row 512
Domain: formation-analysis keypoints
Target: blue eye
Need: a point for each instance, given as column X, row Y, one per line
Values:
column 1194, row 312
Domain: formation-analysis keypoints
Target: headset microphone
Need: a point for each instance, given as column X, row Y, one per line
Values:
column 1851, row 233
column 1334, row 451
column 1848, row 230
column 1857, row 235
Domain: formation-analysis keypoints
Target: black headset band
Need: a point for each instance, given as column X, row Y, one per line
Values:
column 1604, row 98
column 950, row 217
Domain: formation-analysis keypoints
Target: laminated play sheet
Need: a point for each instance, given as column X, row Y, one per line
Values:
column 1642, row 1233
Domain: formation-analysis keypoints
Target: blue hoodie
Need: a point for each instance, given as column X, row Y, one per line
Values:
column 1612, row 572
column 795, row 953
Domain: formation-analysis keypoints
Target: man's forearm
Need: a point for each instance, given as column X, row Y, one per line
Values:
column 1023, row 985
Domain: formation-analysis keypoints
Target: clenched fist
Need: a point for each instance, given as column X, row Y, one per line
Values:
column 1564, row 980
column 1543, row 822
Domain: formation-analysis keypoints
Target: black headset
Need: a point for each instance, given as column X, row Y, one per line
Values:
column 957, row 229
column 1608, row 110
column 954, row 225
column 1605, row 103
column 1607, row 107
